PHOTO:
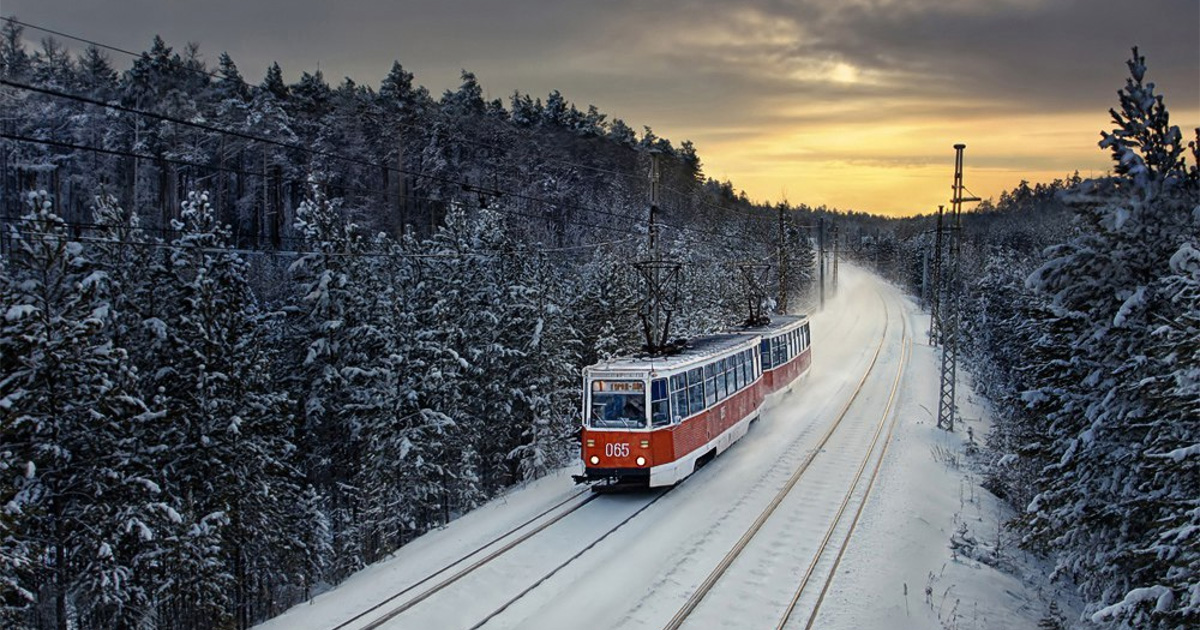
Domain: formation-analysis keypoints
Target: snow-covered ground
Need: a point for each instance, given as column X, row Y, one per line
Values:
column 900, row 570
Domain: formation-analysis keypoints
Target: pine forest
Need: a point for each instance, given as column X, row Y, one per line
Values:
column 259, row 335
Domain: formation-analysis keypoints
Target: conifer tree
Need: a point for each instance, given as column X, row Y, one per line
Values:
column 75, row 429
column 1103, row 498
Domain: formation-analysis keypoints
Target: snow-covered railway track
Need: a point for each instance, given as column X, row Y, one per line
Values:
column 389, row 613
column 839, row 523
column 569, row 560
column 518, row 534
column 835, row 554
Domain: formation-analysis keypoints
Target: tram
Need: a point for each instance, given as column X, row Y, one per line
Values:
column 652, row 421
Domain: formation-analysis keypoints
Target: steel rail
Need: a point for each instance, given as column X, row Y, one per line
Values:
column 837, row 519
column 467, row 570
column 707, row 585
column 568, row 561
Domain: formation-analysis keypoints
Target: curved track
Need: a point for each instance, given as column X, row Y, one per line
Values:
column 752, row 533
column 548, row 556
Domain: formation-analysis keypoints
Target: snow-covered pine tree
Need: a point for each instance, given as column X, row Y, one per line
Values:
column 546, row 388
column 342, row 369
column 229, row 434
column 1171, row 456
column 465, row 313
column 1104, row 499
column 401, row 471
column 15, row 63
column 82, row 493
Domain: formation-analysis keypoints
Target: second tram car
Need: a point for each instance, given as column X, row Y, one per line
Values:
column 651, row 421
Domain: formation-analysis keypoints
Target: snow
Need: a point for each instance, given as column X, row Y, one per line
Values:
column 928, row 552
column 1162, row 596
column 18, row 311
column 1180, row 454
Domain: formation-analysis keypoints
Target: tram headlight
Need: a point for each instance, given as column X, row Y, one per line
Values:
column 641, row 461
column 595, row 459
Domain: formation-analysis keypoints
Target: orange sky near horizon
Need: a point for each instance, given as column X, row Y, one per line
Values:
column 880, row 167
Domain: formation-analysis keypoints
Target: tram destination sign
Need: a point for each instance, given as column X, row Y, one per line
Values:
column 618, row 386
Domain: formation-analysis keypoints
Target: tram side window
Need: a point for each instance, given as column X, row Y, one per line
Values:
column 777, row 350
column 730, row 382
column 719, row 373
column 764, row 351
column 695, row 381
column 747, row 368
column 710, row 385
column 679, row 397
column 739, row 380
column 660, row 406
column 807, row 336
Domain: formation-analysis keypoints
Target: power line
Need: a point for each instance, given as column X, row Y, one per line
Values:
column 230, row 132
column 13, row 19
column 466, row 186
column 256, row 88
column 174, row 245
column 172, row 232
column 454, row 137
column 293, row 180
column 715, row 206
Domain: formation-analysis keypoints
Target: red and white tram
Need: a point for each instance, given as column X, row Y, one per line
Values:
column 651, row 421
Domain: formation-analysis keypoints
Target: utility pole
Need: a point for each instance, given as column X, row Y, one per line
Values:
column 402, row 183
column 836, row 240
column 754, row 279
column 821, row 257
column 783, row 267
column 662, row 289
column 653, row 231
column 936, row 296
column 925, row 280
column 949, row 332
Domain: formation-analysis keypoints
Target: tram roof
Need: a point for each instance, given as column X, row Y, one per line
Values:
column 777, row 324
column 696, row 351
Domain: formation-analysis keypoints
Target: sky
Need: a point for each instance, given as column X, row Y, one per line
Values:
column 853, row 104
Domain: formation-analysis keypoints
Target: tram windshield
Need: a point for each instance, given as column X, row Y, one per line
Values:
column 617, row 405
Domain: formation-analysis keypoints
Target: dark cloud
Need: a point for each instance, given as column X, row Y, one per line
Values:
column 1015, row 55
column 1060, row 54
column 719, row 71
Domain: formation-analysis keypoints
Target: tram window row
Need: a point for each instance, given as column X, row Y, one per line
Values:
column 702, row 387
column 781, row 349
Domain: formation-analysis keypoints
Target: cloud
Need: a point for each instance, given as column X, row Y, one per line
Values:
column 764, row 87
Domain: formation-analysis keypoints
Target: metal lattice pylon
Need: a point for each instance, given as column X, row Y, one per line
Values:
column 948, row 322
column 949, row 338
column 935, row 312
